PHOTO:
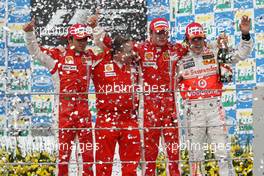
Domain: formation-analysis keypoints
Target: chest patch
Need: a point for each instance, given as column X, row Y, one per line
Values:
column 150, row 64
column 208, row 59
column 69, row 67
column 108, row 68
column 166, row 56
column 188, row 63
column 69, row 60
column 149, row 56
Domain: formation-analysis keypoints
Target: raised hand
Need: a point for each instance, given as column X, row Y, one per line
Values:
column 93, row 19
column 28, row 27
column 245, row 25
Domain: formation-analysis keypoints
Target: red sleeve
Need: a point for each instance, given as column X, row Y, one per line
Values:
column 52, row 52
column 107, row 41
column 181, row 51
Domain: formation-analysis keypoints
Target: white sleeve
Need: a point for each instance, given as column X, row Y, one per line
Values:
column 36, row 53
column 242, row 51
column 98, row 37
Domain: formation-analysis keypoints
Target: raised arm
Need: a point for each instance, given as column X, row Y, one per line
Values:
column 34, row 48
column 246, row 44
column 100, row 37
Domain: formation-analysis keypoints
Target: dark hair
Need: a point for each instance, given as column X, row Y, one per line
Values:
column 118, row 42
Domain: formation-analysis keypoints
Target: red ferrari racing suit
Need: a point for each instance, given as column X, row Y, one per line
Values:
column 70, row 70
column 116, row 105
column 158, row 70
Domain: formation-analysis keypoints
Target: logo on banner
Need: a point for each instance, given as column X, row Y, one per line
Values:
column 42, row 81
column 207, row 21
column 259, row 44
column 204, row 6
column 246, row 72
column 243, row 3
column 42, row 104
column 223, row 4
column 184, row 6
column 259, row 20
column 2, row 57
column 158, row 10
column 19, row 60
column 244, row 96
column 224, row 24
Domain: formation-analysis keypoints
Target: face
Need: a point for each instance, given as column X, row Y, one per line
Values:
column 160, row 38
column 78, row 44
column 197, row 44
column 126, row 54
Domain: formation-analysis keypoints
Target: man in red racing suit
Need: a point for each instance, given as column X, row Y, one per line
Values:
column 70, row 69
column 158, row 60
column 115, row 80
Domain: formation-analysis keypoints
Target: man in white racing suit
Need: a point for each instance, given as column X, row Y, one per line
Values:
column 200, row 86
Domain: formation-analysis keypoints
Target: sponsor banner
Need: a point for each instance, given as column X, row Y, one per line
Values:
column 54, row 17
column 2, row 105
column 2, row 23
column 224, row 23
column 260, row 72
column 41, row 121
column 15, row 35
column 18, row 58
column 158, row 9
column 222, row 5
column 231, row 120
column 2, row 8
column 259, row 45
column 181, row 23
column 229, row 97
column 18, row 125
column 244, row 98
column 259, row 3
column 245, row 73
column 204, row 6
column 173, row 32
column 2, row 80
column 243, row 4
column 19, row 105
column 207, row 21
column 184, row 7
column 18, row 81
column 18, row 11
column 259, row 20
column 244, row 121
column 42, row 105
column 2, row 54
column 41, row 81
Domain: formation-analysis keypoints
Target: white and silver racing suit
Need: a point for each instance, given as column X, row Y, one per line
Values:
column 201, row 92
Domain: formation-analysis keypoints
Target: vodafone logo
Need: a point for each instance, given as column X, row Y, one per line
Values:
column 202, row 83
